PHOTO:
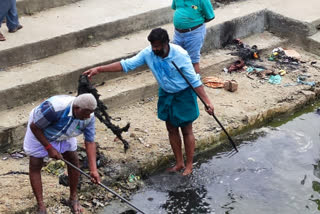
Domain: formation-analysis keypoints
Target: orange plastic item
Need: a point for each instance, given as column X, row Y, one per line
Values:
column 213, row 82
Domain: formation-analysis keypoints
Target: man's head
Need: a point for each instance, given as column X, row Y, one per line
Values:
column 159, row 40
column 84, row 105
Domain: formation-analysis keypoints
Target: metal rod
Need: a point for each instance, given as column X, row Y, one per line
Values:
column 206, row 105
column 102, row 185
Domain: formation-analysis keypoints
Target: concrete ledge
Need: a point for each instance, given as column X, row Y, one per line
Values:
column 47, row 86
column 222, row 34
column 316, row 23
column 12, row 137
column 29, row 7
column 312, row 44
column 288, row 27
column 138, row 86
column 83, row 38
column 58, row 82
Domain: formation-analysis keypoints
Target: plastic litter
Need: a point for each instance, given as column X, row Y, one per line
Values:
column 275, row 79
column 245, row 52
column 55, row 167
column 213, row 82
column 301, row 80
column 252, row 69
column 290, row 84
column 17, row 155
column 285, row 56
column 282, row 72
column 293, row 54
column 133, row 178
column 271, row 58
column 237, row 65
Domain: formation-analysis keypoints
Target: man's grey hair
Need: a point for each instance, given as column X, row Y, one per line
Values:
column 86, row 101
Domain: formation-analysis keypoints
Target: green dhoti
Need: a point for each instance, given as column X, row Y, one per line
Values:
column 179, row 108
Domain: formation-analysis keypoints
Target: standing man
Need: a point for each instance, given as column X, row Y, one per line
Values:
column 177, row 104
column 8, row 10
column 190, row 30
column 51, row 131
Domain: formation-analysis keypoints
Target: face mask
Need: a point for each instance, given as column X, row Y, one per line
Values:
column 159, row 52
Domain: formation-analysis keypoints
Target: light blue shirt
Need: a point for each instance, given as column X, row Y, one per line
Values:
column 167, row 76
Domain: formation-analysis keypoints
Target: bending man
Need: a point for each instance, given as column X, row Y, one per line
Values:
column 51, row 131
column 177, row 104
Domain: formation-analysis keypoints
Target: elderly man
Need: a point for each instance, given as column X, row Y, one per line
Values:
column 177, row 104
column 189, row 22
column 51, row 131
column 8, row 10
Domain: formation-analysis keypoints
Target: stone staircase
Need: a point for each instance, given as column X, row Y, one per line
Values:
column 30, row 7
column 56, row 45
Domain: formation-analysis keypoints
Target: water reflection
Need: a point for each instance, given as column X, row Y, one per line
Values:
column 316, row 184
column 276, row 171
column 191, row 201
column 316, row 170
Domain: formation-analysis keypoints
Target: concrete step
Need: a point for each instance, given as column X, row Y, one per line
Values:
column 78, row 25
column 316, row 23
column 312, row 44
column 59, row 74
column 29, row 7
column 139, row 86
column 70, row 29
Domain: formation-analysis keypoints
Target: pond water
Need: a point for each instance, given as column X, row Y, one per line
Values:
column 277, row 170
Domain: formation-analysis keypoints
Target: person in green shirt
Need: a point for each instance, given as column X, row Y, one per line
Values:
column 190, row 30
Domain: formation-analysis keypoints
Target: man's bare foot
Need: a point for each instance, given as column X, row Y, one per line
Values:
column 187, row 171
column 75, row 206
column 42, row 210
column 176, row 168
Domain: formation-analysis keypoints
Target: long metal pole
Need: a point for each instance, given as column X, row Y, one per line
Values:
column 102, row 185
column 206, row 105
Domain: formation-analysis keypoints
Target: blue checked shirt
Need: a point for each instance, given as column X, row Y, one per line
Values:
column 167, row 76
column 54, row 116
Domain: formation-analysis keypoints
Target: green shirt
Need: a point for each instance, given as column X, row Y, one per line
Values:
column 190, row 13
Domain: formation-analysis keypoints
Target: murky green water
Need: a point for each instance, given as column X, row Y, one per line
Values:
column 277, row 170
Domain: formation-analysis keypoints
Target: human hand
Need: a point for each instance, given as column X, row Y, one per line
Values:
column 210, row 109
column 53, row 153
column 91, row 72
column 95, row 178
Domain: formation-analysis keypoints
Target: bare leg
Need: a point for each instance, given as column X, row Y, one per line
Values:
column 189, row 145
column 73, row 176
column 175, row 142
column 196, row 67
column 35, row 166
